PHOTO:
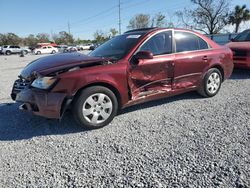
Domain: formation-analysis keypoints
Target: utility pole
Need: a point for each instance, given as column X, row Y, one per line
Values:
column 120, row 23
column 69, row 27
column 51, row 34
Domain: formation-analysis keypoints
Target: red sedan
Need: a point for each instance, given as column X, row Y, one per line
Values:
column 240, row 46
column 138, row 66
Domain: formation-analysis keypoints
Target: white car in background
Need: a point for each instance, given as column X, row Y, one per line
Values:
column 45, row 50
column 85, row 46
column 11, row 49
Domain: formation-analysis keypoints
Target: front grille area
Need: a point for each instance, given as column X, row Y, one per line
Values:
column 240, row 53
column 18, row 86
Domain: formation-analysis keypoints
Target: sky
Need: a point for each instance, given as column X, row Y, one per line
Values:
column 84, row 17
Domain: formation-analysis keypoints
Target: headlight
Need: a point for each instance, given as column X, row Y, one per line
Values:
column 43, row 82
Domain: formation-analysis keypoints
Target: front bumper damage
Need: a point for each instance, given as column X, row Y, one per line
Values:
column 42, row 103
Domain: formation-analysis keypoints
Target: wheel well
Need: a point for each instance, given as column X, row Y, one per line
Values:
column 220, row 69
column 109, row 86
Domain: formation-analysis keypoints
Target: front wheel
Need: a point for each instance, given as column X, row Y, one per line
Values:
column 53, row 52
column 211, row 83
column 95, row 107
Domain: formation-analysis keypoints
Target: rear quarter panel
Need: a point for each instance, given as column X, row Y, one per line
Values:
column 223, row 57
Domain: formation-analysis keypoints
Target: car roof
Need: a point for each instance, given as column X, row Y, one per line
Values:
column 152, row 29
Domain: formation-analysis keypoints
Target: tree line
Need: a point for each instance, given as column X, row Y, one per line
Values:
column 60, row 38
column 207, row 16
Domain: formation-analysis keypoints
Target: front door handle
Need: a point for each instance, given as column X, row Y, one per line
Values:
column 205, row 58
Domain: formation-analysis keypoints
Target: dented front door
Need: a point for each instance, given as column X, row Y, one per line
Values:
column 151, row 76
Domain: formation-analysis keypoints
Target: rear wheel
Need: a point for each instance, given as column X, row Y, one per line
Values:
column 8, row 52
column 211, row 83
column 38, row 53
column 95, row 107
column 53, row 52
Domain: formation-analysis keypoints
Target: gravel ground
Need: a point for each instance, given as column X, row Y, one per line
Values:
column 182, row 141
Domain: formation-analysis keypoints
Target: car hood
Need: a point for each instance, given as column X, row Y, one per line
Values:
column 53, row 63
column 239, row 45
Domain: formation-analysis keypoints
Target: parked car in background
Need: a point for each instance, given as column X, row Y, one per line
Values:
column 72, row 49
column 45, row 50
column 62, row 48
column 1, row 49
column 240, row 46
column 222, row 39
column 85, row 46
column 94, row 46
column 47, row 44
column 138, row 66
column 12, row 49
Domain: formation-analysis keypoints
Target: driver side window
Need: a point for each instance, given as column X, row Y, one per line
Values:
column 159, row 44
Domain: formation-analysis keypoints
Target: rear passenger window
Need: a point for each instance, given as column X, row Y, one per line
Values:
column 186, row 41
column 159, row 44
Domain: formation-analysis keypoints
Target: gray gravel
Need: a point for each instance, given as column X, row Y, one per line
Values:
column 182, row 141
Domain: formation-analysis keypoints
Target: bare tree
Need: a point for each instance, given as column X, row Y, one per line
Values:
column 159, row 20
column 113, row 32
column 239, row 15
column 100, row 36
column 63, row 38
column 209, row 16
column 42, row 37
column 139, row 21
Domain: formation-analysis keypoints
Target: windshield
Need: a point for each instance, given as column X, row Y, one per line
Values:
column 118, row 47
column 244, row 36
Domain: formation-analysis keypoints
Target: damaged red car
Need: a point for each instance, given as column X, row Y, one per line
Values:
column 135, row 67
column 240, row 46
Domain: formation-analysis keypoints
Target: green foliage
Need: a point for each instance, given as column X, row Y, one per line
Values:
column 63, row 38
column 239, row 15
column 100, row 36
column 139, row 21
column 144, row 21
column 9, row 39
column 113, row 32
column 31, row 41
column 42, row 37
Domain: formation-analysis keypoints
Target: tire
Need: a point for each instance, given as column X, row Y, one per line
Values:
column 25, row 52
column 38, row 53
column 8, row 52
column 211, row 83
column 95, row 107
column 53, row 52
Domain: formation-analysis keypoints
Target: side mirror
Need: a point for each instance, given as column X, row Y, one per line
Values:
column 143, row 55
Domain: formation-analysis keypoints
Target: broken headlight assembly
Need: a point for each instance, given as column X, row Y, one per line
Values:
column 44, row 82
